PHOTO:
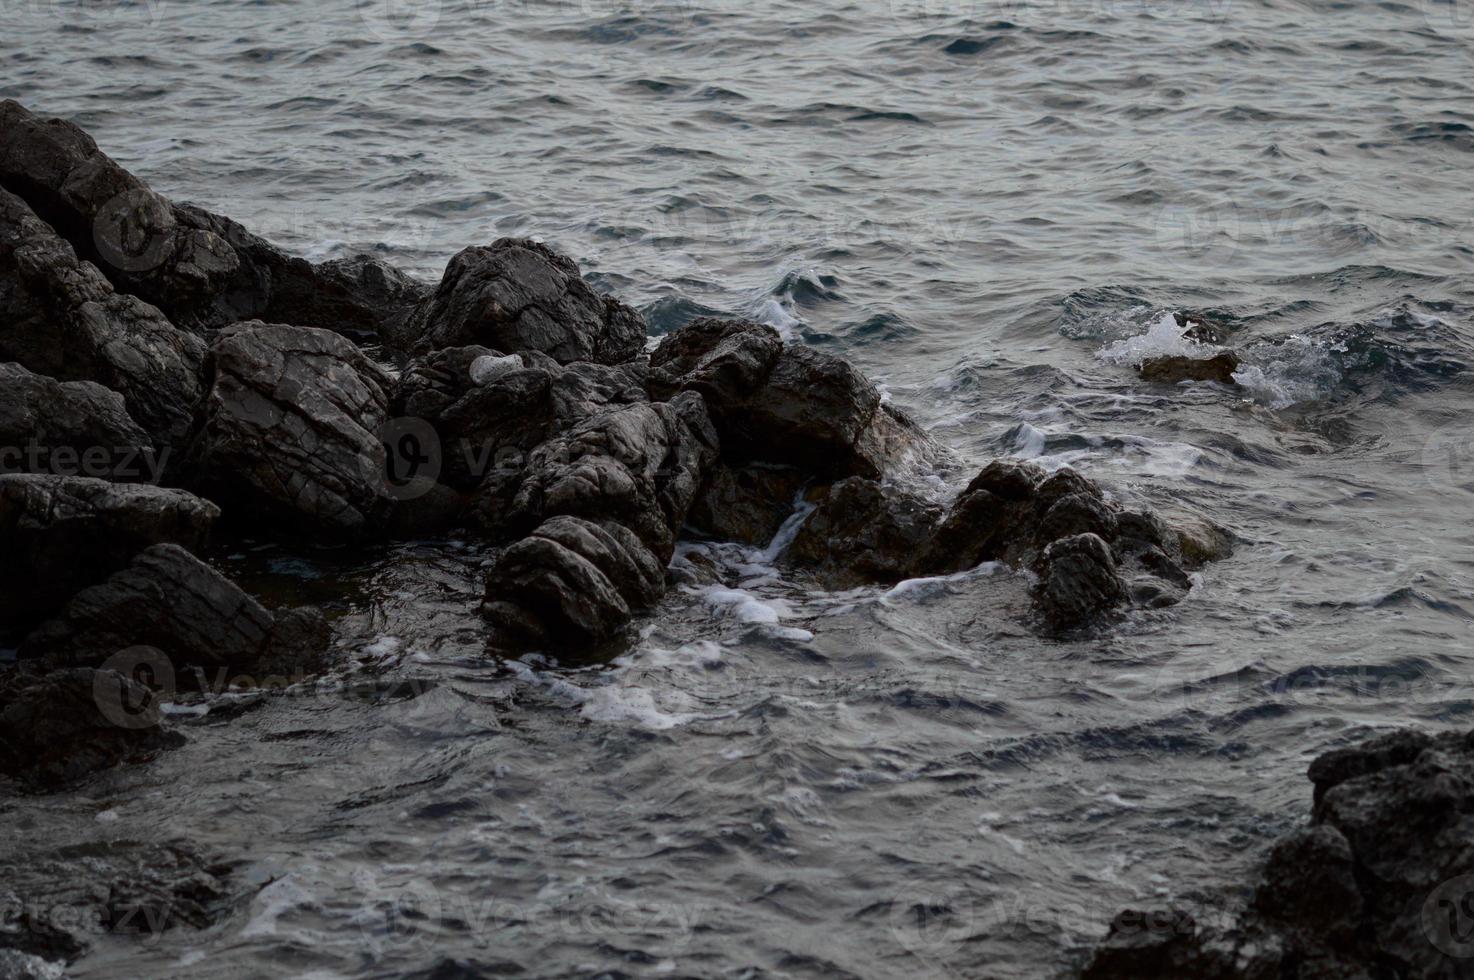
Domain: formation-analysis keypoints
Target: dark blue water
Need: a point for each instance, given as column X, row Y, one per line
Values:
column 972, row 200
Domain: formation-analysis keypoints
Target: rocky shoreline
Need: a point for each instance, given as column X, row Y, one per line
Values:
column 168, row 379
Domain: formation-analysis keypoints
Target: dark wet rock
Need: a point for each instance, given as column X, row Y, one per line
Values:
column 628, row 475
column 864, row 531
column 1379, row 885
column 1078, row 582
column 291, row 433
column 1202, row 329
column 167, row 602
column 72, row 428
column 639, row 465
column 980, row 526
column 59, row 535
column 787, row 404
column 1171, row 370
column 1077, row 513
column 60, row 317
column 1060, row 484
column 724, row 360
column 66, row 901
column 1197, row 539
column 746, row 504
column 571, row 583
column 1014, row 480
column 518, row 295
column 201, row 269
column 58, row 727
column 519, row 403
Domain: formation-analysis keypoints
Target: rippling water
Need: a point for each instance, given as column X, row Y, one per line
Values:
column 971, row 200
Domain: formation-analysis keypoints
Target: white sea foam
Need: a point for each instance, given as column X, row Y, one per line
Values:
column 1164, row 338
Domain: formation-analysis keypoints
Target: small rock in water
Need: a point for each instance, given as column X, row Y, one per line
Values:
column 1170, row 370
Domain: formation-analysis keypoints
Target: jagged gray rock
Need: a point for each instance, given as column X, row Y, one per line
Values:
column 291, row 433
column 66, row 724
column 639, row 465
column 73, row 428
column 201, row 269
column 209, row 632
column 47, row 522
column 517, row 295
column 1379, row 885
column 572, row 582
column 787, row 403
column 60, row 317
column 864, row 531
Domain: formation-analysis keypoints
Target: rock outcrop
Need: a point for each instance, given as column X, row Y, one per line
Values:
column 1170, row 370
column 60, row 317
column 208, row 632
column 62, row 534
column 1380, row 884
column 72, row 428
column 787, row 404
column 291, row 432
column 58, row 727
column 517, row 295
column 200, row 269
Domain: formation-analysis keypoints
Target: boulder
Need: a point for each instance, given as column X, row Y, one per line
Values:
column 201, row 269
column 64, row 899
column 60, row 317
column 496, row 421
column 865, row 531
column 291, row 433
column 787, row 404
column 167, row 603
column 58, row 727
column 517, row 295
column 638, row 465
column 572, row 583
column 1078, row 582
column 47, row 523
column 1380, row 884
column 1176, row 368
column 71, row 428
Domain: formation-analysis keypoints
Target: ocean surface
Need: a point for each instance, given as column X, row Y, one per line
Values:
column 989, row 207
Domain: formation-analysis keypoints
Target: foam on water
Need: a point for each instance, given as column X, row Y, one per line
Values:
column 1164, row 338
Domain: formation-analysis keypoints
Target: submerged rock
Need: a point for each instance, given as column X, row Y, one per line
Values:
column 517, row 295
column 290, row 439
column 60, row 534
column 60, row 317
column 61, row 726
column 73, row 428
column 198, row 628
column 1171, row 370
column 63, row 901
column 201, row 269
column 1379, row 885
